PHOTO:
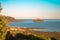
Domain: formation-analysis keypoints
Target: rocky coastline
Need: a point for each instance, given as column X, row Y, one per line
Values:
column 15, row 30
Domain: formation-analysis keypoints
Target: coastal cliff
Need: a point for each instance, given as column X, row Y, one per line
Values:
column 10, row 19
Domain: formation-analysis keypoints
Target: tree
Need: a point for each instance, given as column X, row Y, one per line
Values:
column 0, row 7
column 3, row 28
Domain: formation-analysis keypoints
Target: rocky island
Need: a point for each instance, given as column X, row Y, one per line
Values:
column 38, row 20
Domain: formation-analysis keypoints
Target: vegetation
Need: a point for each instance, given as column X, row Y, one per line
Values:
column 3, row 30
column 21, row 36
column 52, row 38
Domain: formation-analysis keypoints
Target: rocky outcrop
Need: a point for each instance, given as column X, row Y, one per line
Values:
column 38, row 20
column 45, row 35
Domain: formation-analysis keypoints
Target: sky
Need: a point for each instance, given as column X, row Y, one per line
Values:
column 31, row 9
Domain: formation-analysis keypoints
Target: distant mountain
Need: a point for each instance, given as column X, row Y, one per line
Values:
column 10, row 19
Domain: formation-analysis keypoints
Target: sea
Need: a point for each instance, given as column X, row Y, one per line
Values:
column 49, row 25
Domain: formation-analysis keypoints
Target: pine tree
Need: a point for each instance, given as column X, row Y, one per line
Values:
column 3, row 27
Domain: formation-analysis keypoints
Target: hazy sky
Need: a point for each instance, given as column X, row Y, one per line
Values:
column 31, row 8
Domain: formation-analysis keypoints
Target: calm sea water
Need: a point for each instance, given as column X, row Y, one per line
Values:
column 51, row 25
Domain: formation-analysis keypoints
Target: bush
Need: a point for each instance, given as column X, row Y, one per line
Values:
column 52, row 38
column 9, row 36
column 20, row 36
column 3, row 30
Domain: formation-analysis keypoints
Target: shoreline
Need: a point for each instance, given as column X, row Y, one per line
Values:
column 33, row 29
column 14, row 30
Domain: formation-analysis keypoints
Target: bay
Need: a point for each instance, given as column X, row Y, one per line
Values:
column 52, row 25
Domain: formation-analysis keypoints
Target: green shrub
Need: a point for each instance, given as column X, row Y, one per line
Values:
column 3, row 30
column 52, row 38
column 20, row 36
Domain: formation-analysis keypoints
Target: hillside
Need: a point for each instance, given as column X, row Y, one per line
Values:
column 10, row 19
